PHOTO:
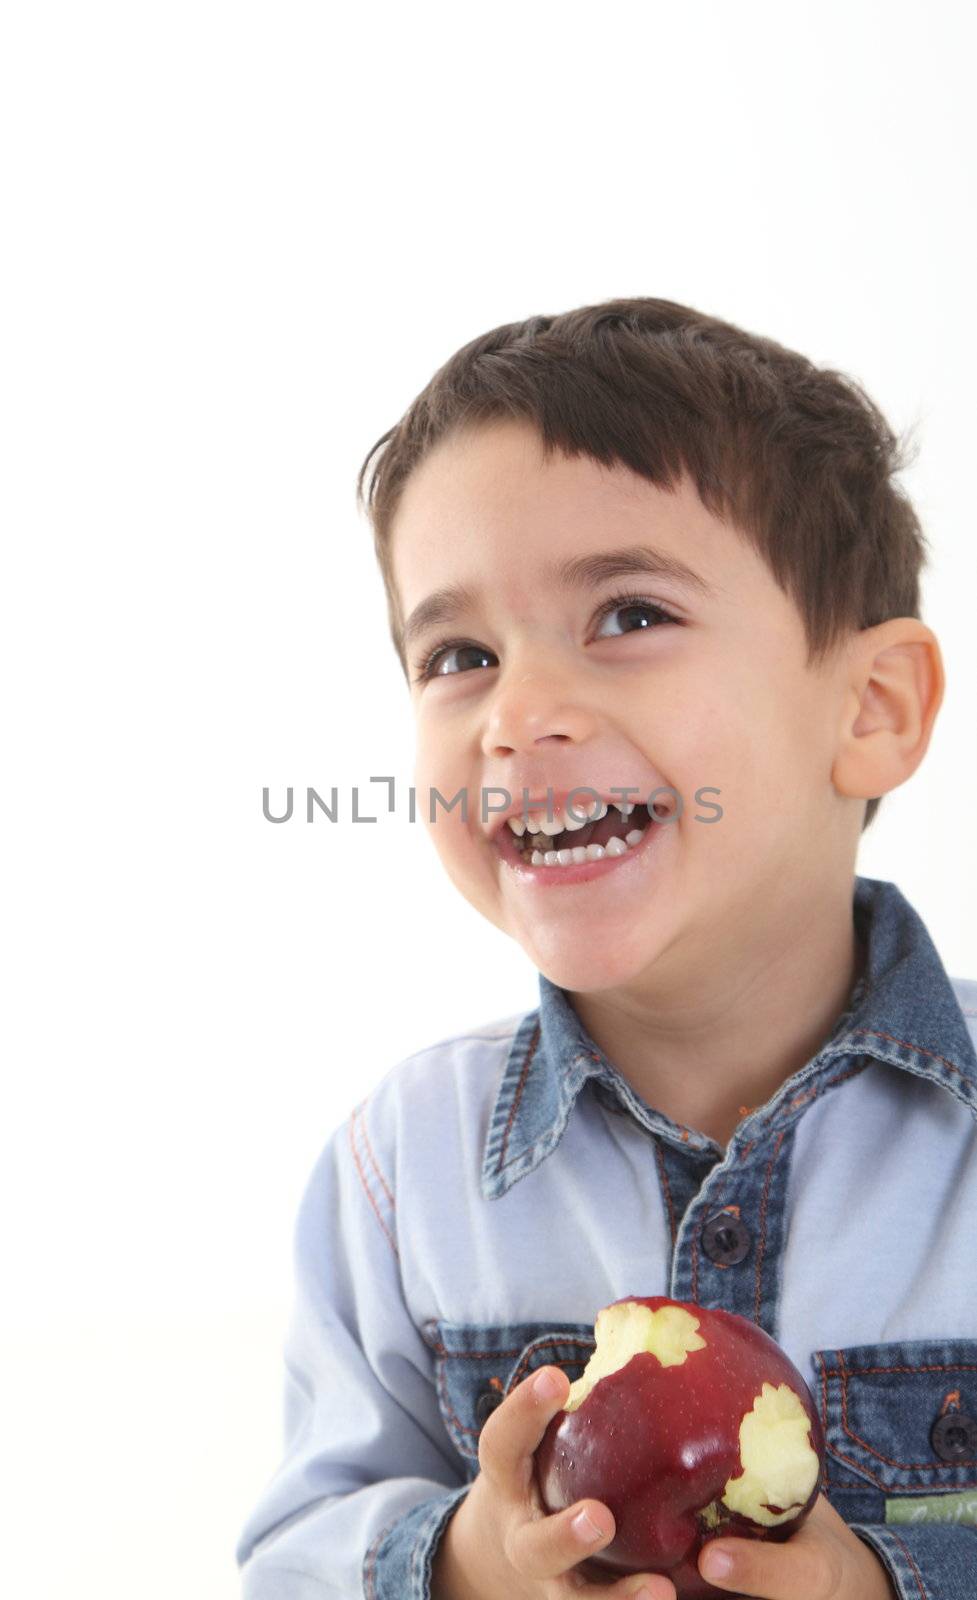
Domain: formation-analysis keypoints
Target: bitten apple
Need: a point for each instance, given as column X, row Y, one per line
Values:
column 687, row 1424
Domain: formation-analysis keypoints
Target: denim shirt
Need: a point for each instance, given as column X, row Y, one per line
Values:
column 473, row 1213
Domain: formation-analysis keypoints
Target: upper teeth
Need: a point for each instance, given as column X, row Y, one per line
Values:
column 592, row 811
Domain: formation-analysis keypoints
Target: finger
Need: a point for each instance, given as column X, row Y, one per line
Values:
column 553, row 1546
column 770, row 1571
column 648, row 1586
column 548, row 1546
column 644, row 1586
column 512, row 1433
column 506, row 1446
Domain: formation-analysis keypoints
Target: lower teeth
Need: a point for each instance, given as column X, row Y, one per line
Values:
column 592, row 852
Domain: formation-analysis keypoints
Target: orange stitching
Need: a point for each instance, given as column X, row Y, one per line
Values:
column 373, row 1159
column 684, row 1131
column 875, row 1034
column 489, row 1355
column 859, row 1466
column 446, row 1406
column 824, row 1417
column 474, row 1355
column 908, row 1555
column 797, row 1101
column 763, row 1226
column 583, row 1343
column 663, row 1180
column 366, row 1188
column 850, row 1072
column 859, row 1372
column 811, row 1095
column 695, row 1247
column 908, row 1466
column 518, row 1095
column 372, row 1554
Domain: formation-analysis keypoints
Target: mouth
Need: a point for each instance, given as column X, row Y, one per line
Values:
column 583, row 855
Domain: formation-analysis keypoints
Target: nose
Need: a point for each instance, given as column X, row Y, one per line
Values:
column 529, row 708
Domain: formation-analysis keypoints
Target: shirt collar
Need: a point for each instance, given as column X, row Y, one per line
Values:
column 902, row 1011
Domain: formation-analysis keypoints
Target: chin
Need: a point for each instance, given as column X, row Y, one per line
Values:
column 588, row 970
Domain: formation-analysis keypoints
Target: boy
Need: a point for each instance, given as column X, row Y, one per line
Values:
column 634, row 554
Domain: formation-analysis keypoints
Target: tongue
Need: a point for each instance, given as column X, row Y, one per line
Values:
column 613, row 826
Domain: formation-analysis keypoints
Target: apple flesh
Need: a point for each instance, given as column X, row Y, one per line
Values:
column 687, row 1424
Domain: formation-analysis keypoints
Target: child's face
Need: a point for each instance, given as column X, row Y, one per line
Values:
column 568, row 697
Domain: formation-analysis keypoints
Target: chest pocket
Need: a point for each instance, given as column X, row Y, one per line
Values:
column 900, row 1424
column 478, row 1364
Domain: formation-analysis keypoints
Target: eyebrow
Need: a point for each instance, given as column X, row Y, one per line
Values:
column 579, row 572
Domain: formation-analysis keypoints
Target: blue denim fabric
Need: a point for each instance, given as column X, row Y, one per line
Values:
column 476, row 1210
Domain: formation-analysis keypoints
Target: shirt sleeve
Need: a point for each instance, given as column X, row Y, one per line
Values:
column 369, row 1477
column 937, row 1559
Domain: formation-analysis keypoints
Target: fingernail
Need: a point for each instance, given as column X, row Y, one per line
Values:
column 585, row 1527
column 717, row 1564
column 547, row 1384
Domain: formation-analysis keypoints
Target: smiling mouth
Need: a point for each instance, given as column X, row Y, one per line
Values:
column 612, row 835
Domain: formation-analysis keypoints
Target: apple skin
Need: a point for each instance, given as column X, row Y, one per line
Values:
column 658, row 1444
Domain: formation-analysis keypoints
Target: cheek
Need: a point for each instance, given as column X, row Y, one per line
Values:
column 437, row 766
column 730, row 739
column 453, row 839
column 774, row 759
column 448, row 759
column 453, row 830
column 701, row 742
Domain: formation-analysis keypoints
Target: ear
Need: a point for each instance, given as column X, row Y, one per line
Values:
column 895, row 689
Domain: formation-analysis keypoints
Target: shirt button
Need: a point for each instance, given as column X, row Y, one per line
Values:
column 954, row 1436
column 486, row 1404
column 726, row 1240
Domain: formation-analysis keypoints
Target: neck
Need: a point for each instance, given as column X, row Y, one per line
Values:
column 706, row 1054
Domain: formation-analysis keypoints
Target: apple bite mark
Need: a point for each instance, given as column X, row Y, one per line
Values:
column 780, row 1465
column 627, row 1329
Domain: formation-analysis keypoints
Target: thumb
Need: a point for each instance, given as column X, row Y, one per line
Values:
column 510, row 1437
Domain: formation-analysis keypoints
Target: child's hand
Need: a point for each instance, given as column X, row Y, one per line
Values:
column 823, row 1560
column 501, row 1544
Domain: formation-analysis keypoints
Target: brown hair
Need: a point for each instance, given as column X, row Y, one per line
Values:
column 797, row 458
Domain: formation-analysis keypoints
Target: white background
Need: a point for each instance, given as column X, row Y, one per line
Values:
column 238, row 240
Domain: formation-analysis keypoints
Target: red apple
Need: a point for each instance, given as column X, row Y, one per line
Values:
column 687, row 1424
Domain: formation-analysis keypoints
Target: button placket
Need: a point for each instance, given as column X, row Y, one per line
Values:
column 729, row 1245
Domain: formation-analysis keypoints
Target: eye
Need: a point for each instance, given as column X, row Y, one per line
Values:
column 632, row 604
column 429, row 667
